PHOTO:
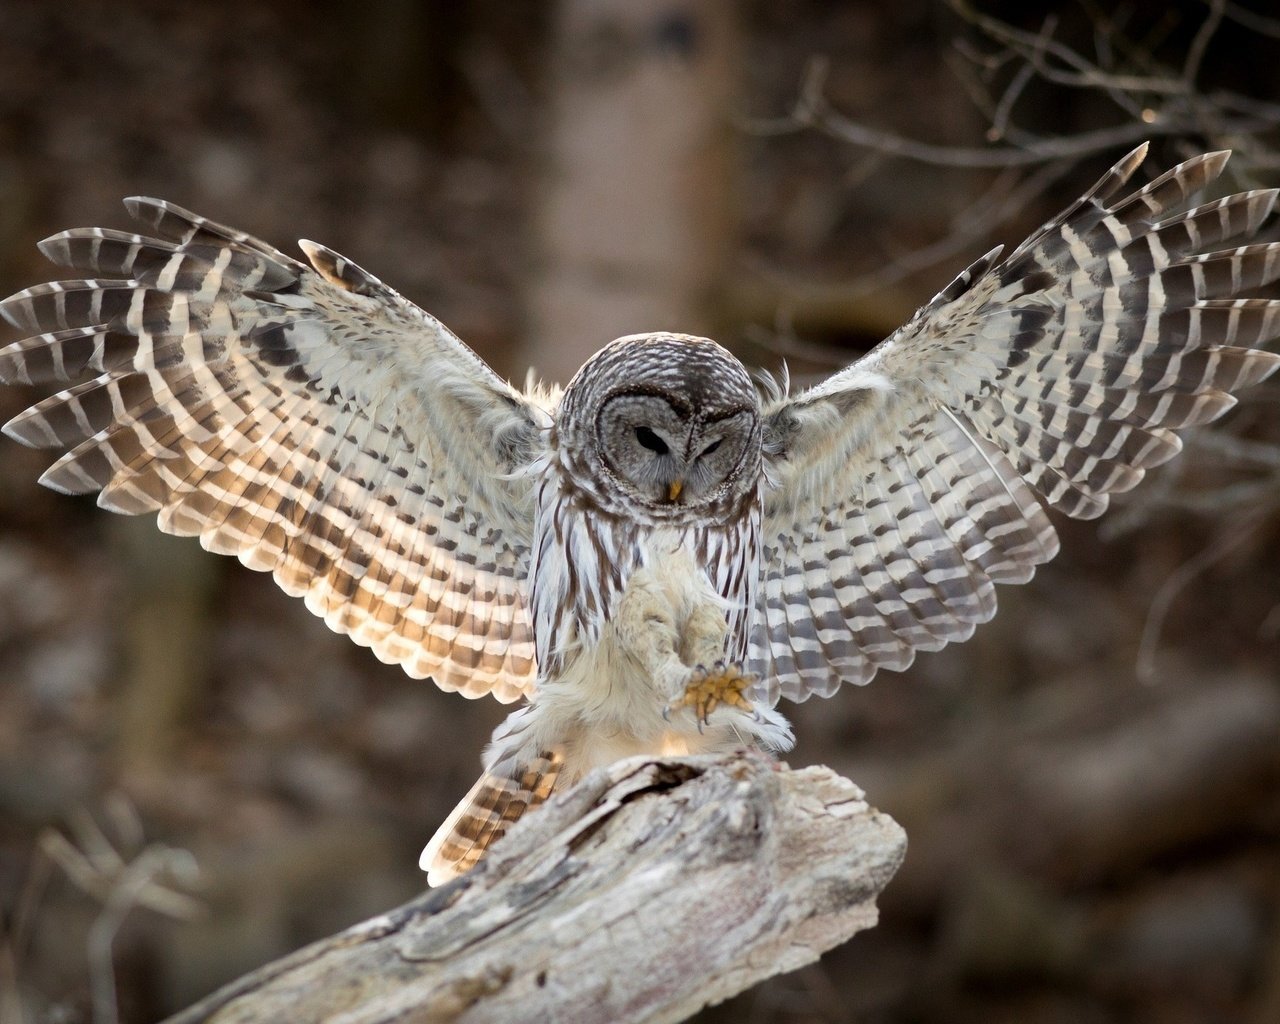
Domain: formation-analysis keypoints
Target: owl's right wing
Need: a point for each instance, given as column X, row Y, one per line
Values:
column 903, row 488
column 307, row 419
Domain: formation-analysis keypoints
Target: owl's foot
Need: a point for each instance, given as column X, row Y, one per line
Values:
column 708, row 689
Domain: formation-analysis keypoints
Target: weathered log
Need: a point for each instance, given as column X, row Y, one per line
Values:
column 651, row 889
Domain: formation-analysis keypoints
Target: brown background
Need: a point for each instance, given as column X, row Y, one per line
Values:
column 1086, row 844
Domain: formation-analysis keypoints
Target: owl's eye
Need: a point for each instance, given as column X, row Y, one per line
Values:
column 711, row 447
column 651, row 441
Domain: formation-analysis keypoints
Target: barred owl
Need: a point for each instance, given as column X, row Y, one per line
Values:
column 652, row 557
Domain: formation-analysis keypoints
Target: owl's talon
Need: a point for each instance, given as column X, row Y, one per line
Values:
column 707, row 691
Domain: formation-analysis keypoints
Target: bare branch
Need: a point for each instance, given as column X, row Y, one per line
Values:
column 1037, row 49
column 813, row 111
column 1239, row 450
column 1006, row 199
column 1196, row 52
column 119, row 880
column 1156, row 102
column 1251, row 20
column 1177, row 582
column 1003, row 110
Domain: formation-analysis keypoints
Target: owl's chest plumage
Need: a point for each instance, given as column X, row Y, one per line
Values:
column 584, row 557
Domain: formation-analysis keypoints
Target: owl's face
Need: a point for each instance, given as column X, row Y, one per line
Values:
column 668, row 423
column 664, row 452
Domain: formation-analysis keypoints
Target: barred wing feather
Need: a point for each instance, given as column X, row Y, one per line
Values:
column 904, row 487
column 307, row 419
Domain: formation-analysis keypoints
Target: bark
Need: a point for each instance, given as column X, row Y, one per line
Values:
column 650, row 890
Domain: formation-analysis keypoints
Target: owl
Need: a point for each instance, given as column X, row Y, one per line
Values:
column 653, row 556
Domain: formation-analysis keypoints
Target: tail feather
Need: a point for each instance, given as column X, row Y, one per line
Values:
column 497, row 800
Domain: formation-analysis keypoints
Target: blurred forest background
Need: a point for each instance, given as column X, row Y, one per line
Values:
column 1089, row 786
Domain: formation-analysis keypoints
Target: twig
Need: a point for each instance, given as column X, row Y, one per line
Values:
column 1251, row 20
column 119, row 881
column 1178, row 581
column 1196, row 51
column 135, row 886
column 1182, row 109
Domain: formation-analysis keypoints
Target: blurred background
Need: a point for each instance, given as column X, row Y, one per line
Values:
column 1089, row 786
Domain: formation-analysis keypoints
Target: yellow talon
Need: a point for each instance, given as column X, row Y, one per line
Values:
column 725, row 684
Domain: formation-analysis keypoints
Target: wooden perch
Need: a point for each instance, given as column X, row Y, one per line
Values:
column 651, row 889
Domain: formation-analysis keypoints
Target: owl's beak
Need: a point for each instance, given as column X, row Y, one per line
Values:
column 673, row 489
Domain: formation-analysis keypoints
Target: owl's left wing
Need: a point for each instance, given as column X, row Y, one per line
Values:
column 307, row 419
column 900, row 490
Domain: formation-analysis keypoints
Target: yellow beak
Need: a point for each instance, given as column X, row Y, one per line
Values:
column 674, row 489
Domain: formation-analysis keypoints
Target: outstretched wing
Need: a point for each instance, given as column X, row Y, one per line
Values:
column 904, row 487
column 309, row 420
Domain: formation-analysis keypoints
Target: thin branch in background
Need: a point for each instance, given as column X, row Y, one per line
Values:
column 1199, row 46
column 1009, row 196
column 98, row 871
column 120, row 873
column 783, row 343
column 862, row 169
column 1036, row 51
column 138, row 884
column 1017, row 85
column 1177, row 582
column 1134, row 513
column 974, row 70
column 1251, row 20
column 1239, row 450
column 1155, row 100
column 1253, row 469
column 812, row 111
column 15, row 941
column 1102, row 30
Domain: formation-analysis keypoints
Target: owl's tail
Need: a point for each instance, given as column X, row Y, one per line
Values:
column 497, row 800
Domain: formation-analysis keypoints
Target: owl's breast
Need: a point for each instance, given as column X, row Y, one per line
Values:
column 584, row 556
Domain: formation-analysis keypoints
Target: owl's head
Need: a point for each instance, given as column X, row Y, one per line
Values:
column 666, row 422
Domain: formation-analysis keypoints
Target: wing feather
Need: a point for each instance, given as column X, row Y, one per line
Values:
column 307, row 419
column 904, row 487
